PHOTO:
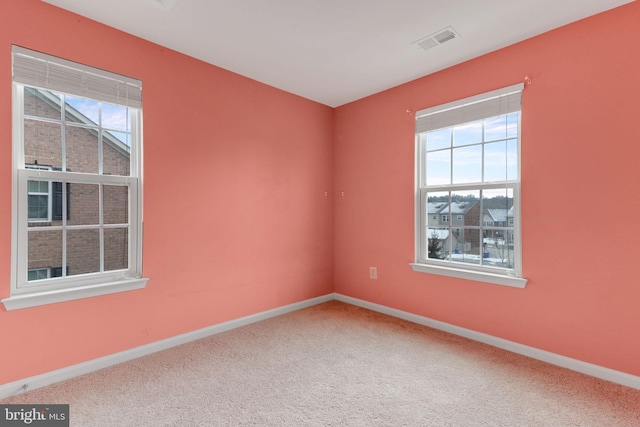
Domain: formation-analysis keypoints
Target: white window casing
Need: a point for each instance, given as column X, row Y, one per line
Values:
column 40, row 72
column 477, row 266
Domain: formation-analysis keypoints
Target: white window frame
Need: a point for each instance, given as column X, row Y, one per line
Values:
column 500, row 276
column 128, row 92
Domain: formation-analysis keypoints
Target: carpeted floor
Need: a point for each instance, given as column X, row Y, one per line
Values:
column 339, row 365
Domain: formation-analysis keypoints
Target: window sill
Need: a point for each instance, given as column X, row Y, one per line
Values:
column 34, row 299
column 478, row 276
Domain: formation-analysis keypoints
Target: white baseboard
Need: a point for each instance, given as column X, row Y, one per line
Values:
column 42, row 380
column 545, row 356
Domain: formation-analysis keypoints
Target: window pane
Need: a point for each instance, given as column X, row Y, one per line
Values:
column 84, row 204
column 119, row 139
column 499, row 198
column 38, row 203
column 116, row 249
column 82, row 150
column 467, row 164
column 512, row 159
column 116, row 204
column 37, row 274
column 116, row 147
column 41, row 103
column 495, row 128
column 437, row 205
column 38, row 208
column 42, row 143
column 468, row 133
column 83, row 251
column 438, row 139
column 512, row 125
column 82, row 110
column 498, row 224
column 39, row 187
column 439, row 167
column 44, row 249
column 498, row 251
column 466, row 246
column 495, row 161
column 437, row 243
column 115, row 117
column 465, row 208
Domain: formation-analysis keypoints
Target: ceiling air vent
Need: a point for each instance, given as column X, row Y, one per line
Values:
column 437, row 38
column 163, row 4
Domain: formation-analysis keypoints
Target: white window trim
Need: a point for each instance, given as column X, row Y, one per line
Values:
column 497, row 276
column 478, row 276
column 53, row 290
column 34, row 299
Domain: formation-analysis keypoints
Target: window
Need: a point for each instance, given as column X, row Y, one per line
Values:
column 39, row 197
column 468, row 165
column 45, row 198
column 76, row 132
column 39, row 273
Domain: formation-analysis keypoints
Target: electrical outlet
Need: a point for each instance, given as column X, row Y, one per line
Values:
column 373, row 273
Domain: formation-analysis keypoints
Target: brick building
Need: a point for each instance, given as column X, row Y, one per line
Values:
column 48, row 125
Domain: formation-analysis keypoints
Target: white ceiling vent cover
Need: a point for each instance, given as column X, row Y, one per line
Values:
column 437, row 38
column 162, row 4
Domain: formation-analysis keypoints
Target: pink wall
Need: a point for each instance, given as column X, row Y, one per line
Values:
column 581, row 209
column 236, row 221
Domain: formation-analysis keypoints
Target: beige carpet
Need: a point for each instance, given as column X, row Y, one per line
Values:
column 339, row 365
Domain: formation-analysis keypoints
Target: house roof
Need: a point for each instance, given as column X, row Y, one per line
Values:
column 500, row 215
column 436, row 207
column 54, row 101
column 461, row 208
column 457, row 208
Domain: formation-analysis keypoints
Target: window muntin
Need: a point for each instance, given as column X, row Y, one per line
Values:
column 469, row 170
column 91, row 148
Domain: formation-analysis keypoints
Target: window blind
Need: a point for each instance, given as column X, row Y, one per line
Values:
column 48, row 72
column 495, row 103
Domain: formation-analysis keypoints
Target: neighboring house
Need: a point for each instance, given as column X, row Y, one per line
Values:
column 497, row 217
column 446, row 222
column 43, row 136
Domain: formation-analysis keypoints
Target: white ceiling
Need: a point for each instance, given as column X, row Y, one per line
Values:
column 333, row 51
